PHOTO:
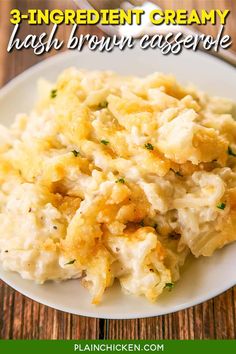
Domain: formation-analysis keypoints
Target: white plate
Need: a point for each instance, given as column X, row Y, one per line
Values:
column 202, row 278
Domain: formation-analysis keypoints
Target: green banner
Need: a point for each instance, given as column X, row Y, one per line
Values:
column 115, row 346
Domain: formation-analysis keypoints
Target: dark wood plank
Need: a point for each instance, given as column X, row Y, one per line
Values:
column 21, row 317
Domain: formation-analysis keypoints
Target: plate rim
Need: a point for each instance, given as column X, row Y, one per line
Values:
column 91, row 314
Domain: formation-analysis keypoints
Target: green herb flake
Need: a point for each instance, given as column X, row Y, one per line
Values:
column 221, row 206
column 103, row 104
column 230, row 152
column 141, row 223
column 71, row 262
column 149, row 146
column 176, row 172
column 54, row 93
column 120, row 180
column 169, row 286
column 75, row 153
column 104, row 142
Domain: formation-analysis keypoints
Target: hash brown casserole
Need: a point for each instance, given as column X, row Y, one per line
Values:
column 113, row 177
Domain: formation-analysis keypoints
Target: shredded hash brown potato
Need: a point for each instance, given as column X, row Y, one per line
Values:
column 113, row 177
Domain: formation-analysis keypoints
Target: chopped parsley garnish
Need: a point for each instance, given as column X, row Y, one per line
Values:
column 176, row 172
column 53, row 93
column 230, row 152
column 104, row 142
column 221, row 206
column 75, row 153
column 103, row 104
column 169, row 286
column 141, row 223
column 120, row 180
column 71, row 262
column 149, row 146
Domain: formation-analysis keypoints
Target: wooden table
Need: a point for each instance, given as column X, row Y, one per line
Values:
column 22, row 318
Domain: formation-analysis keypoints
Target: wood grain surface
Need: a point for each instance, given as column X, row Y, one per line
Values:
column 22, row 318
